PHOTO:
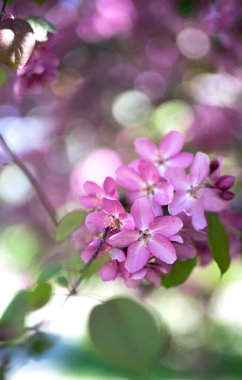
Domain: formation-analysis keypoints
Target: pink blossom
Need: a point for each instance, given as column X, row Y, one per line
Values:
column 143, row 179
column 192, row 194
column 95, row 193
column 167, row 155
column 112, row 216
column 151, row 238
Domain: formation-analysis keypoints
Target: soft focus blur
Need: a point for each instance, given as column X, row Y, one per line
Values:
column 121, row 69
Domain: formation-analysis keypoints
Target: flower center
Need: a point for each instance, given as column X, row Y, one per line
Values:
column 144, row 236
column 113, row 222
column 150, row 189
column 195, row 192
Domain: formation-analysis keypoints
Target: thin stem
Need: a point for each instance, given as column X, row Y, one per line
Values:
column 4, row 6
column 40, row 193
column 74, row 289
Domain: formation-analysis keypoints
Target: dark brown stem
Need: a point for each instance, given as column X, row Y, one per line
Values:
column 74, row 289
column 40, row 193
column 4, row 6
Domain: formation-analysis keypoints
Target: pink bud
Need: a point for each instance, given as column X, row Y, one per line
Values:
column 227, row 195
column 214, row 166
column 225, row 182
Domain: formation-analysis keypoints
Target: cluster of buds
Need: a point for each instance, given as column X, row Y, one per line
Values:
column 160, row 217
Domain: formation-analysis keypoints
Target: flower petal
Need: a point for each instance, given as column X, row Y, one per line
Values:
column 148, row 172
column 181, row 160
column 137, row 257
column 212, row 201
column 184, row 251
column 142, row 213
column 129, row 179
column 117, row 254
column 90, row 201
column 96, row 221
column 181, row 202
column 92, row 188
column 127, row 221
column 163, row 193
column 171, row 144
column 162, row 248
column 199, row 168
column 113, row 207
column 110, row 187
column 146, row 149
column 166, row 225
column 109, row 271
column 199, row 221
column 178, row 177
column 123, row 238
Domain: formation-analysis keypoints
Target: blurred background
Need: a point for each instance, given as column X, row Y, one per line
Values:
column 116, row 70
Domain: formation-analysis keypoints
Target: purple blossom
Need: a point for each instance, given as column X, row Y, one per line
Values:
column 193, row 194
column 167, row 155
column 151, row 238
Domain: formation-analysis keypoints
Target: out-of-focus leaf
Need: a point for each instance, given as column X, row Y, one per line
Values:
column 95, row 266
column 41, row 27
column 49, row 271
column 69, row 224
column 126, row 335
column 40, row 296
column 3, row 76
column 12, row 322
column 13, row 318
column 179, row 273
column 63, row 282
column 39, row 343
column 17, row 42
column 218, row 241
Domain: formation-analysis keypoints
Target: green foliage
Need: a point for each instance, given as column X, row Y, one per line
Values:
column 218, row 241
column 63, row 282
column 39, row 2
column 41, row 28
column 39, row 343
column 12, row 322
column 49, row 271
column 126, row 335
column 179, row 273
column 3, row 76
column 70, row 223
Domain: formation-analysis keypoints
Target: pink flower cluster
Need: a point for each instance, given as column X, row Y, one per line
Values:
column 154, row 211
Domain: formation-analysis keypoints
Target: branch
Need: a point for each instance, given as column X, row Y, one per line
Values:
column 74, row 289
column 40, row 193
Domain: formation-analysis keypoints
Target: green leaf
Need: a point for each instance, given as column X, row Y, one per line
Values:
column 41, row 27
column 179, row 273
column 218, row 241
column 70, row 223
column 126, row 335
column 49, row 271
column 40, row 296
column 13, row 318
column 95, row 266
column 63, row 282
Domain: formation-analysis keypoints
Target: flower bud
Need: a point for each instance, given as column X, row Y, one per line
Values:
column 225, row 182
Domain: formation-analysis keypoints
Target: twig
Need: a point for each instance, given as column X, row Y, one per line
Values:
column 74, row 288
column 40, row 193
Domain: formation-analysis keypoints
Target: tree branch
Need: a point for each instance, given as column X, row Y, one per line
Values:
column 40, row 193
